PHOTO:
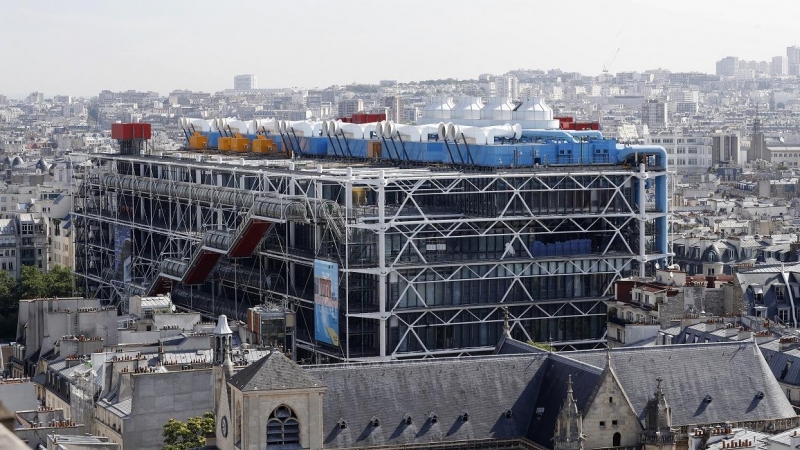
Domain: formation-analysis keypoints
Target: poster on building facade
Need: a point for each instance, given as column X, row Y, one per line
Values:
column 326, row 302
column 123, row 251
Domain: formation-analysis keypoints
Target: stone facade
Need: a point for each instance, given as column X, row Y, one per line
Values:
column 609, row 420
column 158, row 397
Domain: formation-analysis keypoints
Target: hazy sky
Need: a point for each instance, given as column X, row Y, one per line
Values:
column 81, row 47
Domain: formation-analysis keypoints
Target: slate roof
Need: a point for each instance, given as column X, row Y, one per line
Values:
column 784, row 365
column 511, row 346
column 273, row 372
column 732, row 373
column 483, row 387
column 553, row 391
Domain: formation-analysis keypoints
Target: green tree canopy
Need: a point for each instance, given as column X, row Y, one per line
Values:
column 9, row 302
column 59, row 282
column 192, row 434
column 31, row 283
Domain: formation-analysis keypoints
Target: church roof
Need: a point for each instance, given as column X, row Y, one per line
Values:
column 273, row 372
column 703, row 383
column 482, row 387
column 553, row 391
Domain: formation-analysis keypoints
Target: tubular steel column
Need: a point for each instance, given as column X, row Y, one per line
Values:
column 382, row 262
column 642, row 220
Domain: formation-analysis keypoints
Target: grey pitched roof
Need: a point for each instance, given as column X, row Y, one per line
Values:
column 784, row 365
column 483, row 387
column 273, row 372
column 511, row 346
column 553, row 391
column 732, row 373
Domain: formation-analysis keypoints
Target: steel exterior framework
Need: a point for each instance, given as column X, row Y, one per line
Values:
column 427, row 257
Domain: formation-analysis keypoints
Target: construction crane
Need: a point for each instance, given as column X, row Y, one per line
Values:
column 613, row 58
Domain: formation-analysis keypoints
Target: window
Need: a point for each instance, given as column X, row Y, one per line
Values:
column 611, row 400
column 779, row 292
column 614, row 423
column 602, row 423
column 283, row 427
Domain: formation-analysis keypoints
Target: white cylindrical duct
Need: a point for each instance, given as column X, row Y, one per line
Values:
column 486, row 135
column 330, row 127
column 408, row 133
column 441, row 130
column 426, row 130
column 239, row 126
column 369, row 128
column 350, row 130
column 198, row 125
column 304, row 128
column 265, row 125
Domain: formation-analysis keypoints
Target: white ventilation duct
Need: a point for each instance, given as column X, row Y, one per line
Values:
column 443, row 130
column 369, row 128
column 350, row 130
column 498, row 109
column 485, row 135
column 439, row 109
column 426, row 130
column 236, row 126
column 330, row 127
column 408, row 133
column 265, row 125
column 467, row 108
column 303, row 128
column 533, row 109
column 198, row 125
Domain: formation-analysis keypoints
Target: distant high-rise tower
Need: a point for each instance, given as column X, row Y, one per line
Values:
column 350, row 107
column 654, row 114
column 244, row 82
column 395, row 105
column 793, row 55
column 507, row 86
column 780, row 65
column 726, row 67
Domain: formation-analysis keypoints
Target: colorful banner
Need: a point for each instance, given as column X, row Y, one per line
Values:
column 326, row 302
column 123, row 250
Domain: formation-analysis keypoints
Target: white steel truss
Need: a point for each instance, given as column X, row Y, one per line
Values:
column 426, row 257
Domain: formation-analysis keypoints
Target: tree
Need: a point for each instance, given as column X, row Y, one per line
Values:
column 31, row 283
column 192, row 434
column 9, row 302
column 58, row 282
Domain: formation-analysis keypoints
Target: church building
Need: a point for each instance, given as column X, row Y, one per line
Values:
column 650, row 398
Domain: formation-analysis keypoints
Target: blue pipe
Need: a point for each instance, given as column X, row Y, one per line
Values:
column 661, row 205
column 649, row 150
column 594, row 134
column 545, row 134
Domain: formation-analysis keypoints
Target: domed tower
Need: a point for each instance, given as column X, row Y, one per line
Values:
column 569, row 425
